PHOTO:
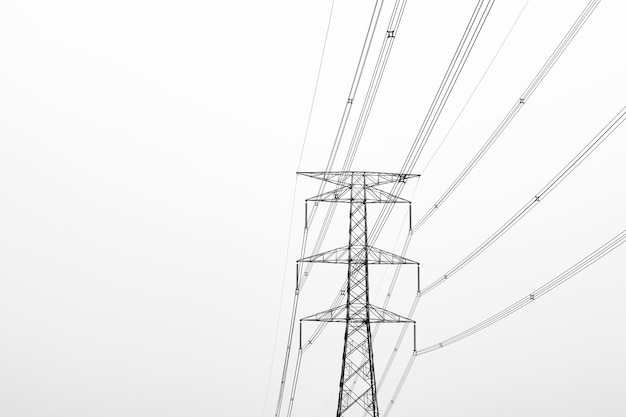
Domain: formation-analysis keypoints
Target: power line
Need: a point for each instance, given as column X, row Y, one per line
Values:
column 457, row 63
column 379, row 70
column 569, row 36
column 353, row 89
column 517, row 106
column 294, row 384
column 469, row 98
column 369, row 37
column 408, row 239
column 597, row 140
column 465, row 46
column 293, row 202
column 385, row 50
column 581, row 265
column 455, row 68
column 539, row 292
column 458, row 116
column 356, row 80
column 604, row 133
column 317, row 81
column 537, row 198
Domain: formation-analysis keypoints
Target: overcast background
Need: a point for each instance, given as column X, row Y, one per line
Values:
column 148, row 152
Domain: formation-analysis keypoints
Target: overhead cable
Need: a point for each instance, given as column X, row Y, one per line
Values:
column 565, row 42
column 462, row 53
column 379, row 69
column 517, row 106
column 478, row 84
column 465, row 46
column 354, row 87
column 407, row 241
column 457, row 63
column 294, row 384
column 344, row 118
column 293, row 202
column 539, row 292
column 597, row 140
column 590, row 259
column 537, row 198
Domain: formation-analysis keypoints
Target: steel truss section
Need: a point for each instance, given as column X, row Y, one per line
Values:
column 374, row 256
column 357, row 384
column 368, row 178
column 376, row 315
column 342, row 195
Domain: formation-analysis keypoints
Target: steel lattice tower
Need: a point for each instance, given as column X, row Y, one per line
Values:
column 357, row 384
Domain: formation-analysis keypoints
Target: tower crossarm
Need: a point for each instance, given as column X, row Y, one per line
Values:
column 374, row 256
column 371, row 195
column 338, row 315
column 366, row 178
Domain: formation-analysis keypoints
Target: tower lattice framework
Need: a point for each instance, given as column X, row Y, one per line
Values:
column 357, row 383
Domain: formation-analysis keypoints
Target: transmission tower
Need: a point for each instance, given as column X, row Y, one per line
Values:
column 357, row 384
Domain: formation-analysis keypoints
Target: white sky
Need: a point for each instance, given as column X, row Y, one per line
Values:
column 147, row 159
